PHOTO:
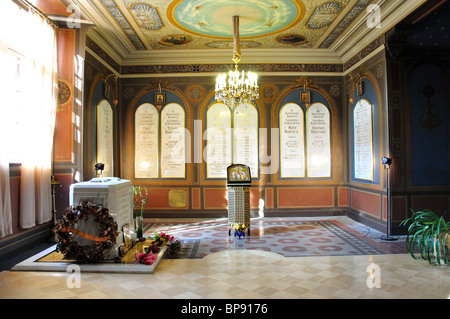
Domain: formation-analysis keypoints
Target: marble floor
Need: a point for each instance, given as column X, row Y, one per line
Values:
column 245, row 274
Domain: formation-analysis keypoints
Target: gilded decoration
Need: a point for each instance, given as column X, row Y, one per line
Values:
column 177, row 198
column 146, row 16
column 225, row 44
column 356, row 10
column 429, row 120
column 268, row 92
column 124, row 24
column 176, row 39
column 292, row 39
column 195, row 93
column 335, row 90
column 305, row 82
column 324, row 15
column 209, row 68
column 64, row 93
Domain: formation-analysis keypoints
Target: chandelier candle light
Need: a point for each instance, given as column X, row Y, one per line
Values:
column 237, row 88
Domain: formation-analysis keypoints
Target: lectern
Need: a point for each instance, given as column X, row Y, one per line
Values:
column 239, row 181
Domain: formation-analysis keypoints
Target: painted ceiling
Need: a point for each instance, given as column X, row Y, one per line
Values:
column 154, row 31
column 433, row 30
column 201, row 24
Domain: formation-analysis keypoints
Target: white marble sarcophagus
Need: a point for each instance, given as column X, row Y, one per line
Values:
column 111, row 192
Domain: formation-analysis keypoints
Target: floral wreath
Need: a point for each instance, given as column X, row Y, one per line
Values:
column 64, row 230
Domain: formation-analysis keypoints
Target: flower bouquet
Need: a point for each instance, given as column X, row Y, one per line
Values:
column 146, row 258
column 239, row 230
column 162, row 239
column 159, row 240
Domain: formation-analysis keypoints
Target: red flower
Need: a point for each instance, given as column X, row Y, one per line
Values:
column 148, row 262
column 149, row 259
column 140, row 256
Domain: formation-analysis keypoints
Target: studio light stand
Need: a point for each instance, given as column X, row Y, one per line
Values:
column 387, row 165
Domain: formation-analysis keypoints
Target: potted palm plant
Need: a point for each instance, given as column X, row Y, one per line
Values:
column 428, row 233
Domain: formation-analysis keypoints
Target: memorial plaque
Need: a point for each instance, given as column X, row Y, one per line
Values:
column 105, row 139
column 292, row 146
column 318, row 136
column 246, row 137
column 218, row 144
column 363, row 140
column 173, row 144
column 146, row 150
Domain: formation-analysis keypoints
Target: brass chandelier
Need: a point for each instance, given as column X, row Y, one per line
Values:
column 236, row 89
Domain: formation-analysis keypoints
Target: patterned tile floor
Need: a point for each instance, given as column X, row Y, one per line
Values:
column 290, row 237
column 246, row 274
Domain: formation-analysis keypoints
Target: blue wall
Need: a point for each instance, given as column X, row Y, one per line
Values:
column 429, row 145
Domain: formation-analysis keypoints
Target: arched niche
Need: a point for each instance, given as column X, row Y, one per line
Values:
column 160, row 120
column 318, row 139
column 92, row 135
column 105, row 137
column 429, row 131
column 218, row 136
column 365, row 135
column 146, row 141
column 306, row 143
column 292, row 141
column 227, row 143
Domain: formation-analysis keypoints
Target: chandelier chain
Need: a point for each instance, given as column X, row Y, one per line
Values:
column 237, row 88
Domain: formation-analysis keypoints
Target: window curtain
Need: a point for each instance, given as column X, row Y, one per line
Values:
column 5, row 138
column 38, row 126
column 30, row 35
column 6, row 126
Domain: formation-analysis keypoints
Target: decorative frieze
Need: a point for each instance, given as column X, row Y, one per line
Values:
column 213, row 68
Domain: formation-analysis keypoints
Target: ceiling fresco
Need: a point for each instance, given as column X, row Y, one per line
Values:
column 200, row 24
column 188, row 32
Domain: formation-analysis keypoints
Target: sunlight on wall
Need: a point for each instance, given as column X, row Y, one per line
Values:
column 261, row 208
